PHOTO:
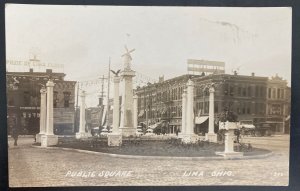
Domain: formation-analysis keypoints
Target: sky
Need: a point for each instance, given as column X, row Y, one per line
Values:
column 83, row 38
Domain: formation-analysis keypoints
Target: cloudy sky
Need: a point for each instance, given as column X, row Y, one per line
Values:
column 82, row 38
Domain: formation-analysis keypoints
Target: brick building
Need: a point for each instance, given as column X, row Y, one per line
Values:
column 248, row 96
column 23, row 100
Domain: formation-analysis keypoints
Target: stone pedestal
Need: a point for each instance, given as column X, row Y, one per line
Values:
column 49, row 140
column 229, row 152
column 211, row 137
column 38, row 137
column 127, row 132
column 81, row 135
column 188, row 138
column 114, row 140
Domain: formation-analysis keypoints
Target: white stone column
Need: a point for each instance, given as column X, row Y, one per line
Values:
column 43, row 113
column 189, row 136
column 135, row 112
column 81, row 133
column 116, row 111
column 127, row 118
column 211, row 136
column 211, row 110
column 190, row 108
column 183, row 119
column 115, row 138
column 82, row 113
column 49, row 138
column 49, row 119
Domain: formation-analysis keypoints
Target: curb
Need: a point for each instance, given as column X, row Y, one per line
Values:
column 154, row 157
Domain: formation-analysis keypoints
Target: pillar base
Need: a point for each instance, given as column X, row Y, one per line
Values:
column 231, row 155
column 38, row 137
column 211, row 137
column 49, row 140
column 114, row 140
column 81, row 135
column 188, row 138
column 128, row 131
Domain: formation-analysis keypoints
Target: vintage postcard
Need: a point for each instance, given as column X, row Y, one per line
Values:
column 158, row 96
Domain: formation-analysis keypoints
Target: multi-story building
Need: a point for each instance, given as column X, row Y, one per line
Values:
column 23, row 100
column 247, row 96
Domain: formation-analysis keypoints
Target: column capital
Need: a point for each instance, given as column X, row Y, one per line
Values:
column 43, row 90
column 211, row 89
column 135, row 96
column 50, row 83
column 190, row 83
column 82, row 93
column 117, row 79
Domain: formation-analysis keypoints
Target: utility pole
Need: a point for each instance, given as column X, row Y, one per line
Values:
column 108, row 84
column 102, row 90
column 101, row 98
column 76, row 110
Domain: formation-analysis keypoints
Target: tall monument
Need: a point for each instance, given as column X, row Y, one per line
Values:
column 127, row 110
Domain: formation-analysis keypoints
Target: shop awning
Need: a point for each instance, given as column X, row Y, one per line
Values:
column 141, row 113
column 200, row 120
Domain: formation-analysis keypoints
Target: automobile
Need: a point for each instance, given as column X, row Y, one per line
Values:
column 139, row 132
column 104, row 131
column 149, row 132
column 95, row 131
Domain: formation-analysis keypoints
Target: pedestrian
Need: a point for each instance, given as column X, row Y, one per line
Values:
column 15, row 134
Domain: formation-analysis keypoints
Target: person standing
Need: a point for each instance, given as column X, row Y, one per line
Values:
column 14, row 130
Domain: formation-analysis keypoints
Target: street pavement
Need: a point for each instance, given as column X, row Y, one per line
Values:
column 37, row 167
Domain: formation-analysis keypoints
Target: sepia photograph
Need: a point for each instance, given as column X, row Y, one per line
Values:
column 102, row 95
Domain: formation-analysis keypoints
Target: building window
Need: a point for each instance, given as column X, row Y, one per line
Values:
column 269, row 93
column 239, row 91
column 231, row 90
column 256, row 91
column 249, row 108
column 216, row 107
column 206, row 107
column 244, row 91
column 226, row 89
column 67, row 99
column 262, row 93
column 249, row 91
column 26, row 99
column 55, row 98
column 273, row 93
